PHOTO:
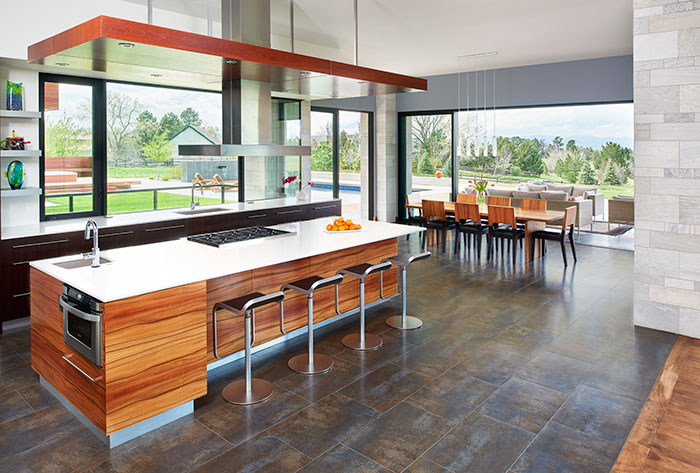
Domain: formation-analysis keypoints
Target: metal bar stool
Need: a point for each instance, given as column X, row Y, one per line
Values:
column 403, row 321
column 309, row 363
column 361, row 341
column 249, row 390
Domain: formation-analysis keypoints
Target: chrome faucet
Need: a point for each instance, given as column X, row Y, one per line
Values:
column 91, row 226
column 193, row 204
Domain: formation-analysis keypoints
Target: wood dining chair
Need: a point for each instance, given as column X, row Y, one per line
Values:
column 436, row 219
column 502, row 226
column 568, row 221
column 415, row 216
column 466, row 198
column 468, row 220
column 500, row 201
column 533, row 204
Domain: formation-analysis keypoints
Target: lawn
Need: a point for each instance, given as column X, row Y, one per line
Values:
column 512, row 181
column 128, row 202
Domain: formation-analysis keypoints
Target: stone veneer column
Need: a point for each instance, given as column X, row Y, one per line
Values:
column 364, row 165
column 386, row 150
column 667, row 165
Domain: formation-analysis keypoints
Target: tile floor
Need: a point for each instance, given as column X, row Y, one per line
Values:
column 536, row 369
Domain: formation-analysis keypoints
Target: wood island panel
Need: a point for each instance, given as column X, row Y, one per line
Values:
column 155, row 353
column 269, row 279
column 48, row 350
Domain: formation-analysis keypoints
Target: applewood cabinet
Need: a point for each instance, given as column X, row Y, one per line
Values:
column 16, row 253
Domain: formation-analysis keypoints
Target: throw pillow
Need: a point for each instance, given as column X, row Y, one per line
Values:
column 553, row 195
column 537, row 188
column 567, row 189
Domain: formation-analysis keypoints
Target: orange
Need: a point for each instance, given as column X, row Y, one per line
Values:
column 336, row 228
column 359, row 227
column 329, row 227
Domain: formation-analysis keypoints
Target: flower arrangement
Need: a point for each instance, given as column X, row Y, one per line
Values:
column 478, row 187
column 304, row 193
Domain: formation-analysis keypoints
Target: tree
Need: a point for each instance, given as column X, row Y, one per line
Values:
column 146, row 128
column 611, row 176
column 558, row 143
column 425, row 165
column 430, row 135
column 569, row 167
column 587, row 175
column 349, row 155
column 322, row 157
column 618, row 158
column 63, row 139
column 157, row 151
column 171, row 125
column 571, row 145
column 190, row 117
column 529, row 159
column 122, row 114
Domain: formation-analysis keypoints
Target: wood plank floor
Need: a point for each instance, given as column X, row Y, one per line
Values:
column 665, row 437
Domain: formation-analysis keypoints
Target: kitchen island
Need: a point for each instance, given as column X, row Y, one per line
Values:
column 156, row 315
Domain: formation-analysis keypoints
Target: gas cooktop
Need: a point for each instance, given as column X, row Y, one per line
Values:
column 240, row 235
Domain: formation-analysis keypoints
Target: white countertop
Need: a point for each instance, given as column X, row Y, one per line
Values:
column 136, row 218
column 143, row 269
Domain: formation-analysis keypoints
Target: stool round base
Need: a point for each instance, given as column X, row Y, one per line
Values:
column 412, row 323
column 372, row 342
column 235, row 393
column 300, row 364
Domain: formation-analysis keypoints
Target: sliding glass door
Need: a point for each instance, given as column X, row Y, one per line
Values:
column 342, row 158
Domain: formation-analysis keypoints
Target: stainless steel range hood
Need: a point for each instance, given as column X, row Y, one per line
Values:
column 246, row 104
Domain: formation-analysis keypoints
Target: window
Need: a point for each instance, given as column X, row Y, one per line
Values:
column 583, row 144
column 73, row 152
column 145, row 126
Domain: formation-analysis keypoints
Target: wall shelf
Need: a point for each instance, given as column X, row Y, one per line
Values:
column 19, row 114
column 23, row 192
column 27, row 153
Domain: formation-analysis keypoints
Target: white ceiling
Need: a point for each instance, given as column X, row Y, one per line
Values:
column 422, row 37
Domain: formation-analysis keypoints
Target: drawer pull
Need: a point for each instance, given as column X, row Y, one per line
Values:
column 41, row 243
column 94, row 380
column 325, row 207
column 19, row 263
column 164, row 228
column 116, row 234
column 285, row 212
column 21, row 295
column 257, row 216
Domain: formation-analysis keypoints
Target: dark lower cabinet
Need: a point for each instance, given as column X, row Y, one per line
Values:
column 15, row 254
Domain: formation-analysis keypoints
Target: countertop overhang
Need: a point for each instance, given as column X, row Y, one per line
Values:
column 165, row 56
column 149, row 268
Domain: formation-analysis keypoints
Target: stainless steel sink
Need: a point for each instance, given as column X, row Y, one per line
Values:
column 80, row 263
column 203, row 210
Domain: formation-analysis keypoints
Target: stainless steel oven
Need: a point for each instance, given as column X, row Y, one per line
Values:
column 82, row 323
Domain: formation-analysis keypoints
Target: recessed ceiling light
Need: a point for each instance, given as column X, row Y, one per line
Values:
column 127, row 45
column 362, row 82
column 156, row 75
column 62, row 64
column 304, row 73
column 230, row 61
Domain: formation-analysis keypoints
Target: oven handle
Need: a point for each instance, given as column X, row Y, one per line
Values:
column 68, row 307
column 94, row 380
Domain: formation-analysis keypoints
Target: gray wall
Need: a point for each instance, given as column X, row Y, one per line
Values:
column 587, row 81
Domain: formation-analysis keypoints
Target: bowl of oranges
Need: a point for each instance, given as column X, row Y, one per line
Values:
column 340, row 225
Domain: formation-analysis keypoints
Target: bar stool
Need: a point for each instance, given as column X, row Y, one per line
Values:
column 403, row 321
column 249, row 390
column 309, row 363
column 361, row 341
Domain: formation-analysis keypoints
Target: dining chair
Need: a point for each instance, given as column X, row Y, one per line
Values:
column 466, row 198
column 568, row 221
column 533, row 204
column 502, row 226
column 415, row 216
column 500, row 201
column 468, row 220
column 436, row 219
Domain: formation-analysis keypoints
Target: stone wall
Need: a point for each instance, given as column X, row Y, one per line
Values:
column 667, row 165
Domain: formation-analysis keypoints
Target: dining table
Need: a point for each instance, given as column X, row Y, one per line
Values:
column 532, row 219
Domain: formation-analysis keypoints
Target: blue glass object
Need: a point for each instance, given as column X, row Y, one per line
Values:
column 15, row 174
